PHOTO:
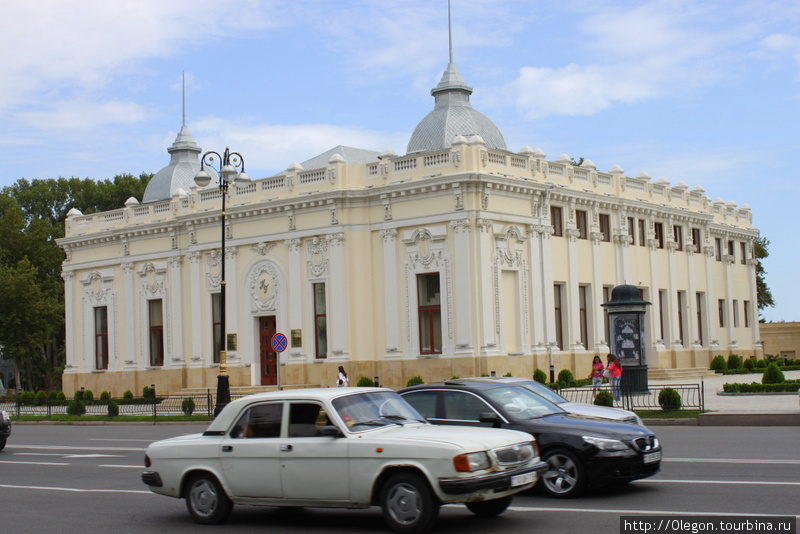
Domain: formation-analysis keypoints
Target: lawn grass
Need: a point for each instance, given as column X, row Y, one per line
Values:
column 672, row 414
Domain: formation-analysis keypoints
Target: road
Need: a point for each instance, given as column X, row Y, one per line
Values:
column 83, row 478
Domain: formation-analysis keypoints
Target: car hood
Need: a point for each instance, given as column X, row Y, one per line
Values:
column 591, row 410
column 580, row 425
column 470, row 438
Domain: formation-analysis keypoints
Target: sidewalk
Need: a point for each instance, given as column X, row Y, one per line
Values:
column 745, row 409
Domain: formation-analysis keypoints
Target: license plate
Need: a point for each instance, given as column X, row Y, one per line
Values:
column 651, row 457
column 520, row 480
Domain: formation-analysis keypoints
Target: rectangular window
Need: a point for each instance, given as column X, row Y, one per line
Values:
column 718, row 249
column 430, row 313
column 632, row 230
column 743, row 255
column 658, row 229
column 677, row 235
column 662, row 304
column 320, row 321
column 735, row 313
column 696, row 238
column 101, row 337
column 700, row 298
column 605, row 226
column 558, row 318
column 583, row 316
column 681, row 299
column 556, row 221
column 216, row 323
column 642, row 233
column 747, row 312
column 581, row 224
column 721, row 312
column 156, row 332
column 732, row 250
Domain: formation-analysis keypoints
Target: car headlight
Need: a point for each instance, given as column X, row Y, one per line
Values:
column 4, row 416
column 605, row 444
column 473, row 461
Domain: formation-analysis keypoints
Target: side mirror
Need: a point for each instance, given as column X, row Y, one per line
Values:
column 490, row 417
column 331, row 431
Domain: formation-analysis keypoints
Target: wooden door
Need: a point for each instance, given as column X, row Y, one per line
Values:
column 268, row 358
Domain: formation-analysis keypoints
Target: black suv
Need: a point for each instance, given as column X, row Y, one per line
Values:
column 5, row 428
column 580, row 451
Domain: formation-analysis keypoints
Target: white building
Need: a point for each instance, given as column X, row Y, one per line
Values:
column 460, row 257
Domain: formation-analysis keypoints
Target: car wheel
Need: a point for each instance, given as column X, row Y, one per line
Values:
column 408, row 504
column 565, row 475
column 491, row 508
column 2, row 444
column 206, row 500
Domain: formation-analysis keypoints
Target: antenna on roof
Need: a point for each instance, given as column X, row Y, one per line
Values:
column 449, row 31
column 183, row 80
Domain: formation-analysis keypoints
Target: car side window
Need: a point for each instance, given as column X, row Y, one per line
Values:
column 260, row 421
column 424, row 402
column 464, row 406
column 306, row 419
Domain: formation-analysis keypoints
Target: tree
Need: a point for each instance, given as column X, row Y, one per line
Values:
column 763, row 293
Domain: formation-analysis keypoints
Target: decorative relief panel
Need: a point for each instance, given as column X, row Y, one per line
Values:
column 264, row 284
column 317, row 257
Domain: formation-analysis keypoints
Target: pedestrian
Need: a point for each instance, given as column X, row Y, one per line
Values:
column 615, row 370
column 342, row 380
column 596, row 375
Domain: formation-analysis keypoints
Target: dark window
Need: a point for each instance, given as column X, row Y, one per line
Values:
column 306, row 419
column 584, row 319
column 632, row 229
column 558, row 319
column 424, row 402
column 101, row 337
column 464, row 406
column 216, row 323
column 605, row 226
column 156, row 333
column 556, row 221
column 696, row 238
column 658, row 229
column 430, row 313
column 700, row 317
column 582, row 224
column 718, row 248
column 677, row 235
column 747, row 312
column 721, row 311
column 680, row 317
column 320, row 321
column 732, row 250
column 661, row 309
column 261, row 421
column 642, row 233
column 743, row 257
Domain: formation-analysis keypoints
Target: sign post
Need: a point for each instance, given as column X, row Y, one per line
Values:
column 279, row 344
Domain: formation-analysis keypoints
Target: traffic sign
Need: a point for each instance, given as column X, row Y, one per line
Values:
column 279, row 342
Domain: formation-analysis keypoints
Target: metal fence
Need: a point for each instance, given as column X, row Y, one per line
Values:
column 155, row 406
column 641, row 400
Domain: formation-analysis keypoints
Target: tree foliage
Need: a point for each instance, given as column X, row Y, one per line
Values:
column 763, row 293
column 32, row 215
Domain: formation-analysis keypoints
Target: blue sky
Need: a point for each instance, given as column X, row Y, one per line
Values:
column 706, row 91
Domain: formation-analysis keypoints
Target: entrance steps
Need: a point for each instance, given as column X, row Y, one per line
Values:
column 686, row 373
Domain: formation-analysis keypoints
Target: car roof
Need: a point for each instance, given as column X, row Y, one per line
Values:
column 459, row 382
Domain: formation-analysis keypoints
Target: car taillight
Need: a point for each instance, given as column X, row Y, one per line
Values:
column 147, row 462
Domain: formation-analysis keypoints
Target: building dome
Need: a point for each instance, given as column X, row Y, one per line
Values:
column 453, row 115
column 180, row 172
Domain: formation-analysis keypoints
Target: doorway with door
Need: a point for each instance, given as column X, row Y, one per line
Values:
column 268, row 358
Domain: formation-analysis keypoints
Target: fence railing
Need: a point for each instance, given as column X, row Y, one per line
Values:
column 155, row 406
column 644, row 399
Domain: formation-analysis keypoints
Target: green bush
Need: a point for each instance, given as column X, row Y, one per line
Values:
column 761, row 364
column 734, row 362
column 790, row 386
column 41, row 398
column 113, row 408
column 669, row 399
column 565, row 378
column 365, row 382
column 187, row 406
column 749, row 364
column 540, row 376
column 147, row 392
column 414, row 380
column 508, row 374
column 719, row 363
column 104, row 396
column 454, row 377
column 484, row 374
column 88, row 396
column 26, row 397
column 128, row 394
column 772, row 375
column 76, row 407
column 604, row 398
column 78, row 395
column 60, row 396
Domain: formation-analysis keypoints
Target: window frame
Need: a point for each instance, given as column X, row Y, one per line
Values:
column 427, row 317
column 101, row 345
column 156, row 332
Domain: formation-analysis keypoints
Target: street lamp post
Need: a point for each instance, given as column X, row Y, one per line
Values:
column 228, row 162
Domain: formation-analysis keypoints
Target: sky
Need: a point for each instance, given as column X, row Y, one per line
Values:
column 701, row 91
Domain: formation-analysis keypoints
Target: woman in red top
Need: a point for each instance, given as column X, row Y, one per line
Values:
column 597, row 374
column 616, row 375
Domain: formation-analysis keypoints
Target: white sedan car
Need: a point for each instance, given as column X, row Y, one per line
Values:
column 345, row 448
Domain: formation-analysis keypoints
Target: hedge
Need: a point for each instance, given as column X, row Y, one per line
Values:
column 790, row 386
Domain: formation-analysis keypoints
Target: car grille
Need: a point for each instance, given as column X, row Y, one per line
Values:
column 519, row 453
column 646, row 443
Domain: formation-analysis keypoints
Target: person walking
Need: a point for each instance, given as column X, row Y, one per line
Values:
column 342, row 381
column 615, row 370
column 597, row 375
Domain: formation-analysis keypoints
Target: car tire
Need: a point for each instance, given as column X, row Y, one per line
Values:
column 491, row 508
column 2, row 444
column 565, row 476
column 408, row 504
column 206, row 500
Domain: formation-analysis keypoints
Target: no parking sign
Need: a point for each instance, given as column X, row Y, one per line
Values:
column 279, row 342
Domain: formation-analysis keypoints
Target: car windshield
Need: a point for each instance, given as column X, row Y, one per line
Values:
column 541, row 390
column 362, row 411
column 519, row 403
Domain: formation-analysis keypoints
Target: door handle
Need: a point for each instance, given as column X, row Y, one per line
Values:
column 286, row 448
column 227, row 448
